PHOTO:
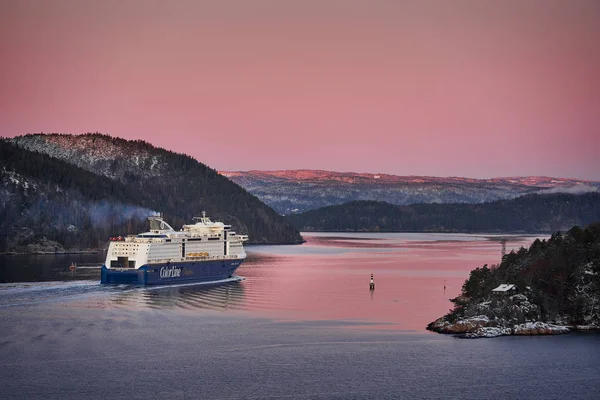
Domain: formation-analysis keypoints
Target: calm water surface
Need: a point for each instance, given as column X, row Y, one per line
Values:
column 302, row 324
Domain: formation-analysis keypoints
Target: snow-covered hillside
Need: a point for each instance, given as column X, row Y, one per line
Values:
column 293, row 191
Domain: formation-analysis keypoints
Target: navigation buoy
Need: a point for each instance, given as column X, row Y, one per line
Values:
column 372, row 284
column 73, row 266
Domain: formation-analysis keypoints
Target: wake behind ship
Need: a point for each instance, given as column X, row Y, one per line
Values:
column 201, row 252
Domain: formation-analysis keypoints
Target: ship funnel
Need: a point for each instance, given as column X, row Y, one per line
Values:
column 158, row 224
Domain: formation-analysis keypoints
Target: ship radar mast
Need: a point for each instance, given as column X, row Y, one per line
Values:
column 204, row 219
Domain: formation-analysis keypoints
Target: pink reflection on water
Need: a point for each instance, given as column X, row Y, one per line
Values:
column 410, row 276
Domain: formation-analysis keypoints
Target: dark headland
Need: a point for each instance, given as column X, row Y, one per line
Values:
column 70, row 193
column 551, row 288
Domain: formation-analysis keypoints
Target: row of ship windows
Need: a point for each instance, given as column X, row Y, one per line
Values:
column 179, row 244
column 195, row 239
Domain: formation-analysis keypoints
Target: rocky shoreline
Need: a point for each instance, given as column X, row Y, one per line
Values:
column 513, row 315
column 51, row 253
column 482, row 327
column 45, row 246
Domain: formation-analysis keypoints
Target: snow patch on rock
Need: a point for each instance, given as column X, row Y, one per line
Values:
column 489, row 332
column 539, row 328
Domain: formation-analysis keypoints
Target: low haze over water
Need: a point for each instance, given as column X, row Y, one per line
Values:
column 302, row 324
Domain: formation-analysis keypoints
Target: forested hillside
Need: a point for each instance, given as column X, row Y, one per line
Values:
column 557, row 280
column 78, row 190
column 534, row 213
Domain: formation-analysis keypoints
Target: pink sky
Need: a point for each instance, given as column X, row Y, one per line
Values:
column 446, row 88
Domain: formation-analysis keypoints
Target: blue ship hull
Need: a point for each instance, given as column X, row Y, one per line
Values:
column 180, row 272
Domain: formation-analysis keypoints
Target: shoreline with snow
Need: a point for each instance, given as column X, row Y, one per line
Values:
column 483, row 327
column 507, row 316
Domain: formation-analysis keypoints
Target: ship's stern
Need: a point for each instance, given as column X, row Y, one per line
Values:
column 123, row 276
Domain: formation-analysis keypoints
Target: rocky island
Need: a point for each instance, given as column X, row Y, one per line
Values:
column 551, row 288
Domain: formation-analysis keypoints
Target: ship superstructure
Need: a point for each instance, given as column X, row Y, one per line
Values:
column 202, row 251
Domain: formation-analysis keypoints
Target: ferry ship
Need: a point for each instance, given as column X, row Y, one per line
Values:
column 201, row 252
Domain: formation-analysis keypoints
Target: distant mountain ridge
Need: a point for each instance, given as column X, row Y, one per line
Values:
column 74, row 182
column 294, row 191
